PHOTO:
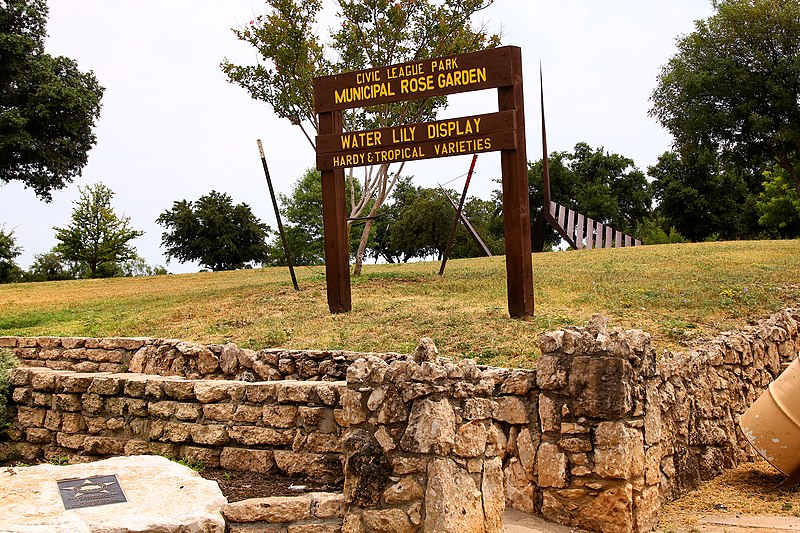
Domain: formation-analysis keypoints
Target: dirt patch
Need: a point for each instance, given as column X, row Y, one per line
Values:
column 238, row 486
column 749, row 489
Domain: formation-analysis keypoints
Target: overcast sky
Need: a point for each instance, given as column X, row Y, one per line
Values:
column 172, row 128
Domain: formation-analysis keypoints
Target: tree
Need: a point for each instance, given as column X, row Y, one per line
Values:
column 417, row 224
column 734, row 85
column 604, row 186
column 302, row 210
column 700, row 196
column 96, row 236
column 370, row 33
column 9, row 271
column 214, row 232
column 779, row 205
column 50, row 266
column 48, row 107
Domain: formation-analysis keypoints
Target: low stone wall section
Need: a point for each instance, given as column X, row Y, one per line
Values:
column 172, row 357
column 261, row 427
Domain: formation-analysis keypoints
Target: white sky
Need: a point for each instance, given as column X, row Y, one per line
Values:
column 172, row 128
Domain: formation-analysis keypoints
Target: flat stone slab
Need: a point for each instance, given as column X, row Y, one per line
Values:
column 161, row 495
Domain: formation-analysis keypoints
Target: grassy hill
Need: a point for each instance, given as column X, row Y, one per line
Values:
column 676, row 292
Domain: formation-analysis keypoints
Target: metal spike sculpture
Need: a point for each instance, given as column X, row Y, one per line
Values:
column 577, row 229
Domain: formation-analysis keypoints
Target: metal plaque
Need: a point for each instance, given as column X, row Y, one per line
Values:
column 78, row 493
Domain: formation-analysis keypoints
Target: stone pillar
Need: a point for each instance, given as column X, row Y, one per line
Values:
column 418, row 449
column 592, row 463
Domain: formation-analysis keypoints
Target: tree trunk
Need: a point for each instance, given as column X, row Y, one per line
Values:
column 362, row 246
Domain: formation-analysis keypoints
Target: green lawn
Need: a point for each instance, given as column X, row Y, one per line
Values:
column 676, row 292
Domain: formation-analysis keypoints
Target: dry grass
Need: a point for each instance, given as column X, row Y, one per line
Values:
column 676, row 292
column 746, row 490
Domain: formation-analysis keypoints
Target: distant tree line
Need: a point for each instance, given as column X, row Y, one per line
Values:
column 730, row 97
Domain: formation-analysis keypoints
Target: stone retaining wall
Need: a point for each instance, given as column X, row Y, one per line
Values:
column 597, row 437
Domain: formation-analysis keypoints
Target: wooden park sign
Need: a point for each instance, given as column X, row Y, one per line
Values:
column 504, row 131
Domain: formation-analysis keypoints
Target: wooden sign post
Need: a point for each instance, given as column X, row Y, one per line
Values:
column 504, row 131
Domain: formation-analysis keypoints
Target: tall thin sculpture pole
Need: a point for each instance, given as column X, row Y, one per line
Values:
column 278, row 216
column 458, row 215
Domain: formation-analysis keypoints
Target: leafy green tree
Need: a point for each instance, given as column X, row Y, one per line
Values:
column 418, row 220
column 302, row 212
column 214, row 232
column 604, row 186
column 369, row 33
column 779, row 205
column 733, row 87
column 9, row 271
column 50, row 266
column 96, row 236
column 48, row 107
column 699, row 196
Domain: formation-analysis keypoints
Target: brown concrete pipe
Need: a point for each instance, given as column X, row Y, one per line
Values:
column 772, row 423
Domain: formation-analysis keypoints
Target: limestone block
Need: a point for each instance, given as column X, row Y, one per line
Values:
column 20, row 376
column 219, row 412
column 103, row 446
column 554, row 509
column 274, row 509
column 314, row 528
column 210, row 434
column 551, row 341
column 406, row 489
column 105, row 385
column 494, row 501
column 367, row 468
column 526, row 451
column 611, row 511
column 551, row 372
column 261, row 461
column 135, row 386
column 30, row 416
column 518, row 383
column 327, row 504
column 280, row 416
column 353, row 411
column 479, row 408
column 646, row 509
column 253, row 435
column 319, row 466
column 215, row 391
column 323, row 443
column 496, row 441
column 177, row 432
column 248, row 413
column 154, row 388
column 619, row 451
column 431, row 428
column 21, row 395
column 73, row 383
column 511, row 409
column 453, row 502
column 72, row 423
column 470, row 439
column 31, row 501
column 180, row 390
column 43, row 380
column 165, row 409
column 311, row 416
column 393, row 408
column 137, row 447
column 187, row 411
column 68, row 402
column 135, row 406
column 42, row 399
column 70, row 441
column 601, row 387
column 96, row 424
column 551, row 466
column 38, row 435
column 388, row 520
column 301, row 392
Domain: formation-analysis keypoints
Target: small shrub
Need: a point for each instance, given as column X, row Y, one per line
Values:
column 7, row 362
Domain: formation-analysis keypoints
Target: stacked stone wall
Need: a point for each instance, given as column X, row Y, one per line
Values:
column 172, row 357
column 287, row 426
column 596, row 437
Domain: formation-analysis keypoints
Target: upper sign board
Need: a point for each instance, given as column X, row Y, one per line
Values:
column 487, row 69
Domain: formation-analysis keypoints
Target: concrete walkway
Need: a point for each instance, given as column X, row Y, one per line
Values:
column 519, row 522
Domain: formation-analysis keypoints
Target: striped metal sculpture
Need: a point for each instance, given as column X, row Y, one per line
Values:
column 579, row 231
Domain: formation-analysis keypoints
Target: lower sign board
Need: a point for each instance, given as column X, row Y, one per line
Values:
column 443, row 138
column 77, row 493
